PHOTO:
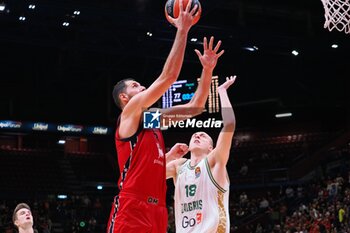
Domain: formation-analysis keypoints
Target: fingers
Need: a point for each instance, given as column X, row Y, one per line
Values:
column 230, row 80
column 233, row 78
column 205, row 45
column 171, row 19
column 181, row 146
column 211, row 42
column 198, row 53
column 195, row 14
column 194, row 9
column 184, row 148
column 216, row 49
column 188, row 7
column 181, row 5
column 221, row 52
column 209, row 46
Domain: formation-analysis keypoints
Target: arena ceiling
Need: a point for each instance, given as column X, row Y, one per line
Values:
column 50, row 72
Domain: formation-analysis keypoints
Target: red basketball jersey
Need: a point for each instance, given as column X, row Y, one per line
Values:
column 142, row 165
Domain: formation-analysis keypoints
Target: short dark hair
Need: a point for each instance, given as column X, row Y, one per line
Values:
column 18, row 207
column 119, row 88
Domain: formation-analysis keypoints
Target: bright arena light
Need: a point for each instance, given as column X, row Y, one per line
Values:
column 2, row 6
column 280, row 115
column 295, row 53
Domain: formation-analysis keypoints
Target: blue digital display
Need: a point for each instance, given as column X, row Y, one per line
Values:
column 180, row 92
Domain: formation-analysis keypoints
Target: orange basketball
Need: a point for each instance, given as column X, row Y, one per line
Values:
column 172, row 9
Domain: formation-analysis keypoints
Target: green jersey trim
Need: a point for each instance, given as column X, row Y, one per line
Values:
column 212, row 178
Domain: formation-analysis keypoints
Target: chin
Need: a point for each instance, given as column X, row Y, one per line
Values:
column 192, row 148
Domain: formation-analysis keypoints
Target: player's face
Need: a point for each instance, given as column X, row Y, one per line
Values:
column 133, row 88
column 201, row 140
column 24, row 218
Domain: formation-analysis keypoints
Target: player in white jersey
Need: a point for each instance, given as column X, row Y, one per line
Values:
column 201, row 183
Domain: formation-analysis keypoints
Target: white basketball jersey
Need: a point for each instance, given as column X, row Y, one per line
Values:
column 201, row 205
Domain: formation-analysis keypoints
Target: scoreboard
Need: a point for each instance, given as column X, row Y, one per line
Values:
column 180, row 92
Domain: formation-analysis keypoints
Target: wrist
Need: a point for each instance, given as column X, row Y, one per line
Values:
column 221, row 90
column 183, row 31
column 168, row 155
column 208, row 69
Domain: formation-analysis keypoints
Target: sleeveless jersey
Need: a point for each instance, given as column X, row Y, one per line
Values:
column 201, row 205
column 142, row 166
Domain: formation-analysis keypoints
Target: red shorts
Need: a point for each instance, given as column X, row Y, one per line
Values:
column 132, row 215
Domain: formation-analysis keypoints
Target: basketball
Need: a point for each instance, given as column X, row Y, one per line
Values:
column 172, row 9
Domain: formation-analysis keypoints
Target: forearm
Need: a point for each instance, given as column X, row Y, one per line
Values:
column 202, row 92
column 175, row 59
column 169, row 157
column 227, row 112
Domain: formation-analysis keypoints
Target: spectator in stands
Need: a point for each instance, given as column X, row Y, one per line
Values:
column 259, row 228
column 22, row 218
column 341, row 214
column 243, row 199
column 300, row 192
column 289, row 192
column 264, row 204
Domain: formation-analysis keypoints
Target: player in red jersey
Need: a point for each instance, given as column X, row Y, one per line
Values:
column 140, row 205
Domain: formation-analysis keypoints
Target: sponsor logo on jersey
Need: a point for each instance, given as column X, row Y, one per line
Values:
column 191, row 206
column 199, row 217
column 188, row 222
column 152, row 200
column 197, row 172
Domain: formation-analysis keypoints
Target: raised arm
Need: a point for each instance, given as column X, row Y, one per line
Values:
column 131, row 114
column 208, row 60
column 221, row 153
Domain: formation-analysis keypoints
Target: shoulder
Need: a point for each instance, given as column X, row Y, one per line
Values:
column 179, row 163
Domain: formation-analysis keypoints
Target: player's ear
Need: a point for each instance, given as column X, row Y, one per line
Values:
column 16, row 222
column 123, row 97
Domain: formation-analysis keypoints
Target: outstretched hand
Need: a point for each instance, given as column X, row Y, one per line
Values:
column 210, row 56
column 186, row 16
column 178, row 151
column 229, row 81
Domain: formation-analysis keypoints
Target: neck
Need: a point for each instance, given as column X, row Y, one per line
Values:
column 196, row 157
column 27, row 230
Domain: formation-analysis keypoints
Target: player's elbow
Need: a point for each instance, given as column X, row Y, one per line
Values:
column 195, row 109
column 198, row 103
